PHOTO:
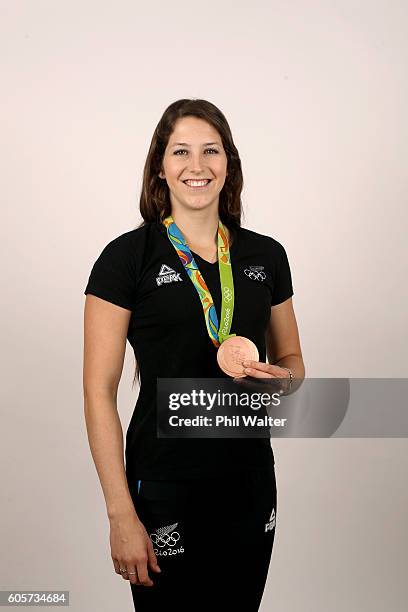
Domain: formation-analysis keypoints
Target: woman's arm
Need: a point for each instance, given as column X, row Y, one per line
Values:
column 282, row 348
column 282, row 339
column 105, row 331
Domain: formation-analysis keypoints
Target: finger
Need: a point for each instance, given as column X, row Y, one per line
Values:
column 152, row 557
column 257, row 369
column 116, row 565
column 258, row 373
column 123, row 571
column 144, row 577
column 268, row 368
column 132, row 573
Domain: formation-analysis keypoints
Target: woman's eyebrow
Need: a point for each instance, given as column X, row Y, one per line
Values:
column 185, row 144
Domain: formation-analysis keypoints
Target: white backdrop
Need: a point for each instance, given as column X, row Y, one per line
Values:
column 316, row 97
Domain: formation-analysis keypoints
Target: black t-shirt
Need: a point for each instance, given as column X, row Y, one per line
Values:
column 140, row 270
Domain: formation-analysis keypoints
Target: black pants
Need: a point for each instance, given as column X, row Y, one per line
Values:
column 213, row 540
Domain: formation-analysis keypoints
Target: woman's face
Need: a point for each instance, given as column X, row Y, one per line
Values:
column 194, row 151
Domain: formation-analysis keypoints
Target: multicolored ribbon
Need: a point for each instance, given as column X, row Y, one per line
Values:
column 227, row 284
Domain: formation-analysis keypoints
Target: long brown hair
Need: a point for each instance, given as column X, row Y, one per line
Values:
column 155, row 202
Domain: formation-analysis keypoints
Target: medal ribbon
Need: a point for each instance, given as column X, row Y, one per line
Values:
column 217, row 335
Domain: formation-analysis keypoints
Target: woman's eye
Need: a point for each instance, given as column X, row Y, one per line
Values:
column 185, row 151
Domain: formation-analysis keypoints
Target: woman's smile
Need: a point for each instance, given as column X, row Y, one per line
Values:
column 197, row 184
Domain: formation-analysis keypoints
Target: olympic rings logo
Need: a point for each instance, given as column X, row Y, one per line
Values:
column 259, row 276
column 165, row 539
column 227, row 294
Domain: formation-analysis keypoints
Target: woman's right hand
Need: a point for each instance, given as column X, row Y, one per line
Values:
column 132, row 549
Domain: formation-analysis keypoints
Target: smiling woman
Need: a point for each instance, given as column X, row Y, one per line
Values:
column 183, row 286
column 195, row 157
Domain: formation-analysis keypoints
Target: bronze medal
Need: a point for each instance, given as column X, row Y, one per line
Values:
column 232, row 352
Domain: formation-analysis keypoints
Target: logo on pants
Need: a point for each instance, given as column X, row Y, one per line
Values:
column 167, row 537
column 271, row 523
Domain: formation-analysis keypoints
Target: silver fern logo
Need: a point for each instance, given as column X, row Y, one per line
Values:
column 255, row 273
column 167, row 536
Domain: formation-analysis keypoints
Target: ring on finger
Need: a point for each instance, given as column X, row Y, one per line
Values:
column 124, row 571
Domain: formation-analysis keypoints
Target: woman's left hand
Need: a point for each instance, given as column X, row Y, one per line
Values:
column 259, row 369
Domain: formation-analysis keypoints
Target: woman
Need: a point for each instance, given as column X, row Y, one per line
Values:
column 192, row 521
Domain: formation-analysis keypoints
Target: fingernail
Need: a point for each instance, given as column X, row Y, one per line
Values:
column 245, row 363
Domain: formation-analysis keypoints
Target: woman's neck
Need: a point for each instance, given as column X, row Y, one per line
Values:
column 199, row 229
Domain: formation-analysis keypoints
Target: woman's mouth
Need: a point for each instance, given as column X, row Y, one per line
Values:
column 197, row 184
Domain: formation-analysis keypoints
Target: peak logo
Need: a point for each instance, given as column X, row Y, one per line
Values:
column 167, row 275
column 272, row 521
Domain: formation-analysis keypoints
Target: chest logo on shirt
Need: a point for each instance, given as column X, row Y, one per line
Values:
column 167, row 275
column 255, row 273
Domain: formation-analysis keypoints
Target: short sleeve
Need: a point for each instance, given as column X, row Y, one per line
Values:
column 282, row 277
column 113, row 275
